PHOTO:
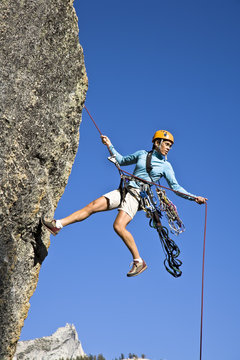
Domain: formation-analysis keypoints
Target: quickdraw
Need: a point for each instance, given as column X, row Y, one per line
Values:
column 154, row 207
column 175, row 223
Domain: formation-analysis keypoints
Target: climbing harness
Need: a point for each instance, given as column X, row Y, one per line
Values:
column 154, row 211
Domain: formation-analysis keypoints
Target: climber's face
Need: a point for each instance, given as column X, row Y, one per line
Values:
column 163, row 146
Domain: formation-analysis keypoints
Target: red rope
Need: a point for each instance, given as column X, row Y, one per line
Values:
column 96, row 126
column 158, row 185
column 93, row 120
column 203, row 266
column 205, row 229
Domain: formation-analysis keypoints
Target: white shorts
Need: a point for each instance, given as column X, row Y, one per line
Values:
column 130, row 204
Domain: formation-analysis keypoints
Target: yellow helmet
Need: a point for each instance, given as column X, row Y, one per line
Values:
column 163, row 134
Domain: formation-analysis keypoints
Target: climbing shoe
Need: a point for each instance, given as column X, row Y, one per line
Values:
column 137, row 268
column 50, row 226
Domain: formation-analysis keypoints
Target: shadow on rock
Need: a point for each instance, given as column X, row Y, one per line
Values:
column 40, row 249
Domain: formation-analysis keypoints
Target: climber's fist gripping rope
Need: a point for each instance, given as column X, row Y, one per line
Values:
column 105, row 140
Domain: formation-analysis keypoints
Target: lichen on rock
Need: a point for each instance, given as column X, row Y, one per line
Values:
column 43, row 86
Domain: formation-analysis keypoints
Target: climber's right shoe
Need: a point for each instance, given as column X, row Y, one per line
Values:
column 137, row 268
column 50, row 226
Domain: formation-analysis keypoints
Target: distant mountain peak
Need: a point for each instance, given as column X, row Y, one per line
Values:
column 64, row 343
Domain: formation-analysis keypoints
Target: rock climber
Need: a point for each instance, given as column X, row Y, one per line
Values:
column 128, row 207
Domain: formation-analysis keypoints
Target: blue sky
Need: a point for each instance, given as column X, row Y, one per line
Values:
column 152, row 65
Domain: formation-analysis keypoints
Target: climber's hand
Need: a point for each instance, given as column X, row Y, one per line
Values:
column 201, row 200
column 106, row 140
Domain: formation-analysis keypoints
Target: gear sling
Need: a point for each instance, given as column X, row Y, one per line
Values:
column 154, row 206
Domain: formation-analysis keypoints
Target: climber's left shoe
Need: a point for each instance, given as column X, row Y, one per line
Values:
column 50, row 226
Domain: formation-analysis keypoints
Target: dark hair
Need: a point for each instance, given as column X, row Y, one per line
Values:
column 153, row 147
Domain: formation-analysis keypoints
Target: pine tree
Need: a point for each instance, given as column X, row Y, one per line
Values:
column 101, row 357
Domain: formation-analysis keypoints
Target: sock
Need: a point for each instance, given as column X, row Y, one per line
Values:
column 138, row 260
column 58, row 224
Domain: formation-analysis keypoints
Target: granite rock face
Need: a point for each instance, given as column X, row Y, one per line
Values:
column 43, row 85
column 63, row 343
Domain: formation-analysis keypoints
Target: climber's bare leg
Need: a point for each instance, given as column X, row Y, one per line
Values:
column 100, row 204
column 122, row 220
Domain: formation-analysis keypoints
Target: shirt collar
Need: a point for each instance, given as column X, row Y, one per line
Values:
column 158, row 155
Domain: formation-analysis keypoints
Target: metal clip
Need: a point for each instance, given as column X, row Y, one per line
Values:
column 113, row 159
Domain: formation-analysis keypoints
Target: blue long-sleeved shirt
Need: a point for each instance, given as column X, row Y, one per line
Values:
column 160, row 168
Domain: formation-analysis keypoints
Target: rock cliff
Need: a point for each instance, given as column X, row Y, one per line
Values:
column 63, row 343
column 43, row 85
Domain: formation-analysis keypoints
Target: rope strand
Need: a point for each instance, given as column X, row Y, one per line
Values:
column 92, row 120
column 203, row 266
column 96, row 127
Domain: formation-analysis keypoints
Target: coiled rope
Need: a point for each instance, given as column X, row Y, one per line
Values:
column 204, row 238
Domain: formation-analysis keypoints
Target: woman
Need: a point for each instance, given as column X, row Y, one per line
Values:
column 160, row 167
